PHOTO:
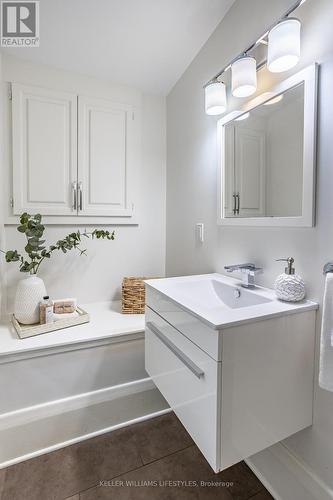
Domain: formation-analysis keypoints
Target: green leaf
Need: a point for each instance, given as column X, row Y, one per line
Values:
column 33, row 243
column 24, row 218
column 12, row 256
column 28, row 248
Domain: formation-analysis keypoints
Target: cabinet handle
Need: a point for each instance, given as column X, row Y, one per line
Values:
column 80, row 196
column 238, row 203
column 173, row 348
column 74, row 195
column 234, row 210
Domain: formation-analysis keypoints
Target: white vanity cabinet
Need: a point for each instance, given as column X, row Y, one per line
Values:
column 73, row 155
column 237, row 389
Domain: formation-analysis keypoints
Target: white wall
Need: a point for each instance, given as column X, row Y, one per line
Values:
column 137, row 250
column 191, row 185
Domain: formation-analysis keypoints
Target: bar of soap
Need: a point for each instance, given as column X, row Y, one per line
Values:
column 57, row 317
column 64, row 306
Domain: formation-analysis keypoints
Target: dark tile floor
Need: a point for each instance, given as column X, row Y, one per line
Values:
column 155, row 459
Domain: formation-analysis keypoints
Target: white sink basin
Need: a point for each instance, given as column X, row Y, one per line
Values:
column 220, row 300
column 211, row 293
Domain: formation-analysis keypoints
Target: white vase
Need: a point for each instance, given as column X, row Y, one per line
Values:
column 30, row 291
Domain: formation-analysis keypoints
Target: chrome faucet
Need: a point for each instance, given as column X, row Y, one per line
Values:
column 249, row 272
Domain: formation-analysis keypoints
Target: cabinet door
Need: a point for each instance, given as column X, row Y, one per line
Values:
column 44, row 150
column 106, row 158
column 250, row 172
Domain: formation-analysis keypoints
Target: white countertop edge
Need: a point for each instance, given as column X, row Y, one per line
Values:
column 302, row 306
column 75, row 344
column 107, row 325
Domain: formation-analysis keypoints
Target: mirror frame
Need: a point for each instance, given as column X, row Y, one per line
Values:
column 309, row 77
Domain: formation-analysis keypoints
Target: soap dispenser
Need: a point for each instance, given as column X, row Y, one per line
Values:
column 289, row 286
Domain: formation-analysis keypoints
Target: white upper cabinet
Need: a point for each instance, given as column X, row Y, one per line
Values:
column 44, row 150
column 105, row 158
column 73, row 156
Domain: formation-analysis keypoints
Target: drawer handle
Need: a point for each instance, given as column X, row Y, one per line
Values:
column 180, row 355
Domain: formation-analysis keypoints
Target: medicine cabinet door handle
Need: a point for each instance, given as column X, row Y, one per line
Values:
column 234, row 209
column 80, row 196
column 74, row 195
column 238, row 203
column 176, row 351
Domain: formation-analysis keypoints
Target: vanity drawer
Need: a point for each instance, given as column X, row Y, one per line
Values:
column 193, row 328
column 188, row 378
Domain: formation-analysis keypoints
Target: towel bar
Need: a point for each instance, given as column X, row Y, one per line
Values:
column 328, row 268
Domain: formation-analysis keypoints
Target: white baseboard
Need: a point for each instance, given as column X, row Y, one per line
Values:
column 286, row 477
column 51, row 408
column 40, row 429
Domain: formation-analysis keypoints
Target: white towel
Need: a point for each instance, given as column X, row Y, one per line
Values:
column 326, row 347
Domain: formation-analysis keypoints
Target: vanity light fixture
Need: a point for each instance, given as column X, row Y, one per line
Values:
column 242, row 117
column 244, row 76
column 283, row 52
column 284, row 45
column 215, row 98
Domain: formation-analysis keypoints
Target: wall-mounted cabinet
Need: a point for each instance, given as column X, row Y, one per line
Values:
column 73, row 155
column 105, row 160
column 44, row 150
column 240, row 379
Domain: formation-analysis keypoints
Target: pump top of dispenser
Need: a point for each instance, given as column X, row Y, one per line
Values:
column 289, row 269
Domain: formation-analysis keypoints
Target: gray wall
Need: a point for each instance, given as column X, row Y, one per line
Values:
column 191, row 185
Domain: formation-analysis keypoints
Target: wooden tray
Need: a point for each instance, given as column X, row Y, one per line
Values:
column 25, row 331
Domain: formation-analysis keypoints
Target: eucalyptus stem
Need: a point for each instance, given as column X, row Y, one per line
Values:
column 32, row 227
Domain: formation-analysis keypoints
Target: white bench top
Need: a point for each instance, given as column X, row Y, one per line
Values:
column 106, row 321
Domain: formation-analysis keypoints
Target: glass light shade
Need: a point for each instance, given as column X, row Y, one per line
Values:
column 244, row 77
column 215, row 98
column 284, row 45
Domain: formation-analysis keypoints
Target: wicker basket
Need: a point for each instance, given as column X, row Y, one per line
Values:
column 133, row 295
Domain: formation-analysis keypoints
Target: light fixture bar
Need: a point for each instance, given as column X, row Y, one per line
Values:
column 257, row 42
